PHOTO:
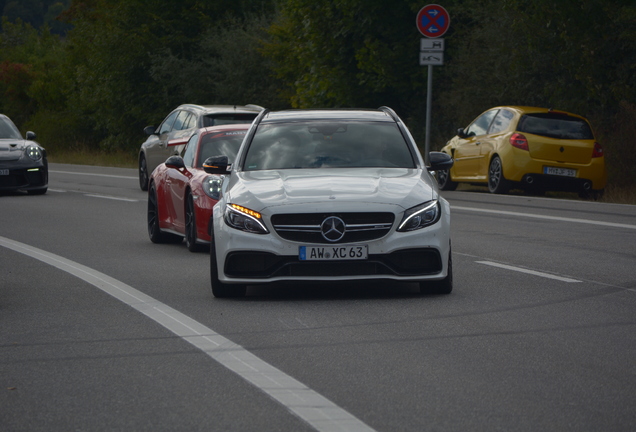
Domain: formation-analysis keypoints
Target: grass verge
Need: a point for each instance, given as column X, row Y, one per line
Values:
column 119, row 159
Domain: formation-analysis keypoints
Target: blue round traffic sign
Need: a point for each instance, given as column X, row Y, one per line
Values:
column 433, row 21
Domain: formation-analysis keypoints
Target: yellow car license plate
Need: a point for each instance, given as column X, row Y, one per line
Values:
column 567, row 172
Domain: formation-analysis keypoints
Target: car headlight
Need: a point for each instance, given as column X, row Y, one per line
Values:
column 420, row 216
column 212, row 186
column 244, row 219
column 34, row 153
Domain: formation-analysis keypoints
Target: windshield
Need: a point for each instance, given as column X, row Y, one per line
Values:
column 555, row 125
column 8, row 129
column 328, row 144
column 223, row 143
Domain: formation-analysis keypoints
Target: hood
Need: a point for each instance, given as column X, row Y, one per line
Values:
column 323, row 189
column 12, row 149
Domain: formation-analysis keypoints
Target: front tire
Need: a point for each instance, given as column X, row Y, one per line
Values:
column 191, row 226
column 154, row 231
column 143, row 173
column 220, row 289
column 497, row 183
column 444, row 180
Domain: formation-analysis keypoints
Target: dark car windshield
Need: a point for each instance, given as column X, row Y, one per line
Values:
column 221, row 119
column 8, row 130
column 315, row 144
column 555, row 125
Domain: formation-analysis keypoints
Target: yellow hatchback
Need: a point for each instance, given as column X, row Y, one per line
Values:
column 536, row 149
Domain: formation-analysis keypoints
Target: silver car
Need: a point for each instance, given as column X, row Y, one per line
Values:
column 173, row 133
column 329, row 195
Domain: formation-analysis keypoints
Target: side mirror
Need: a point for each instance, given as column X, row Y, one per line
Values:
column 175, row 162
column 440, row 161
column 149, row 130
column 461, row 133
column 30, row 136
column 216, row 165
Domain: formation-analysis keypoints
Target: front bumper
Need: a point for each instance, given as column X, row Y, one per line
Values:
column 24, row 178
column 247, row 258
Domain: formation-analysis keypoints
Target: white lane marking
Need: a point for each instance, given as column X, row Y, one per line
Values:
column 532, row 272
column 536, row 216
column 318, row 411
column 111, row 198
column 94, row 174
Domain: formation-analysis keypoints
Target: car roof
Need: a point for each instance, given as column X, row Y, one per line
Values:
column 533, row 110
column 222, row 109
column 225, row 127
column 328, row 114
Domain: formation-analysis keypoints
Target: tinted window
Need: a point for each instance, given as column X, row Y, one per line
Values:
column 328, row 144
column 166, row 126
column 501, row 121
column 555, row 125
column 221, row 119
column 8, row 129
column 220, row 144
column 481, row 124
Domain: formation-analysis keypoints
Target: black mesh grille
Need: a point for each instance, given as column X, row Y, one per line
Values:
column 305, row 228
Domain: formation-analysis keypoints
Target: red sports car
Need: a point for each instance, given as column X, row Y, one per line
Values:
column 181, row 194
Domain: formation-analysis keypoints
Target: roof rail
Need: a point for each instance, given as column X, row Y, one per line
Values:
column 260, row 116
column 390, row 112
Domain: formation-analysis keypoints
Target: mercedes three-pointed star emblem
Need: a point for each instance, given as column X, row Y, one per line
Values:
column 333, row 229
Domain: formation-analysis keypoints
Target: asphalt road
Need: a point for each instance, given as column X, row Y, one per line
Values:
column 101, row 330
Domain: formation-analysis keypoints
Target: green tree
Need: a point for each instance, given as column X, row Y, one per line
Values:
column 347, row 53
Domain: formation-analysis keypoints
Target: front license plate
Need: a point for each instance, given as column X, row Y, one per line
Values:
column 4, row 172
column 333, row 253
column 566, row 172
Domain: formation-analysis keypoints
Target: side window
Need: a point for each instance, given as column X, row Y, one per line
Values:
column 501, row 121
column 180, row 121
column 188, row 155
column 481, row 124
column 166, row 126
column 190, row 122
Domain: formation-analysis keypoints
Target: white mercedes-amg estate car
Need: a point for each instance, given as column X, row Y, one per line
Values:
column 328, row 195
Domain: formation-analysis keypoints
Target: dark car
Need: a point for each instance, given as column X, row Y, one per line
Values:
column 174, row 132
column 23, row 164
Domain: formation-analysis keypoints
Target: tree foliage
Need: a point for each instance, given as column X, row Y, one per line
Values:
column 124, row 64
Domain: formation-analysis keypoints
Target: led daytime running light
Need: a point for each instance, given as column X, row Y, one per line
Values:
column 246, row 211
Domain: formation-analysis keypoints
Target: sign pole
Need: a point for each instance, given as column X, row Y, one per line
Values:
column 429, row 102
column 432, row 21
